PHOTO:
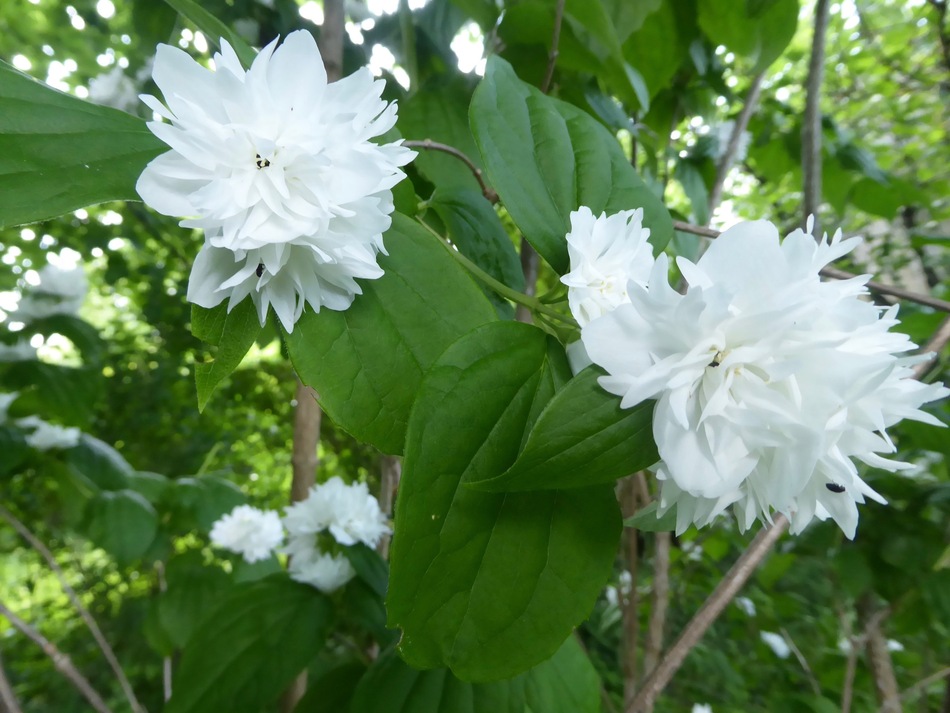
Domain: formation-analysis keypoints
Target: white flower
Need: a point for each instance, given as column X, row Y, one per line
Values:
column 746, row 605
column 60, row 291
column 252, row 533
column 324, row 571
column 606, row 254
column 115, row 89
column 21, row 350
column 701, row 708
column 5, row 401
column 777, row 643
column 349, row 512
column 48, row 436
column 769, row 382
column 279, row 170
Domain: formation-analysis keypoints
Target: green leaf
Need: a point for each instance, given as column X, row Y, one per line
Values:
column 439, row 111
column 65, row 393
column 645, row 519
column 477, row 232
column 99, row 464
column 59, row 153
column 546, row 158
column 232, row 332
column 661, row 45
column 83, row 335
column 14, row 448
column 490, row 584
column 566, row 683
column 366, row 362
column 123, row 523
column 760, row 31
column 194, row 589
column 876, row 198
column 331, row 691
column 213, row 29
column 250, row 647
column 582, row 438
column 369, row 566
column 205, row 499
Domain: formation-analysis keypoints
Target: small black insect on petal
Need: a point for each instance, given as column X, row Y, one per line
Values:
column 835, row 487
column 261, row 161
column 260, row 269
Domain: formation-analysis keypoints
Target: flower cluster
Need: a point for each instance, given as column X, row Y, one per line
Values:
column 249, row 532
column 769, row 382
column 334, row 514
column 348, row 513
column 278, row 169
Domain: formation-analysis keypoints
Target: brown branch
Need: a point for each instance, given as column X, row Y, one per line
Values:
column 659, row 604
column 60, row 660
column 811, row 126
column 879, row 658
column 84, row 614
column 431, row 145
column 629, row 602
column 8, row 701
column 555, row 40
column 724, row 592
column 851, row 665
column 331, row 38
column 892, row 290
column 728, row 156
column 936, row 344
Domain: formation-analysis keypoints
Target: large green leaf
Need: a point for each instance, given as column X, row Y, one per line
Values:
column 582, row 438
column 758, row 30
column 121, row 522
column 477, row 232
column 546, row 158
column 99, row 465
column 232, row 332
column 565, row 683
column 193, row 589
column 214, row 29
column 366, row 362
column 68, row 394
column 250, row 647
column 491, row 584
column 59, row 153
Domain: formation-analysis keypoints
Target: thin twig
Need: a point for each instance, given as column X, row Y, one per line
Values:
column 62, row 662
column 833, row 272
column 811, row 125
column 431, row 145
column 878, row 656
column 851, row 665
column 936, row 344
column 555, row 40
column 725, row 591
column 803, row 662
column 732, row 147
column 84, row 614
column 7, row 696
column 659, row 603
column 915, row 690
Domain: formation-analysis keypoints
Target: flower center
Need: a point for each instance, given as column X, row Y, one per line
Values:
column 261, row 162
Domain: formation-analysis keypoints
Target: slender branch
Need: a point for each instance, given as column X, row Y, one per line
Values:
column 84, row 614
column 390, row 473
column 724, row 592
column 431, row 145
column 892, row 290
column 7, row 697
column 879, row 658
column 62, row 662
column 921, row 685
column 803, row 662
column 407, row 32
column 937, row 342
column 500, row 288
column 555, row 40
column 811, row 127
column 659, row 604
column 851, row 665
column 732, row 147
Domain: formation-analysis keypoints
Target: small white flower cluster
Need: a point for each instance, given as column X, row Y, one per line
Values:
column 347, row 512
column 60, row 291
column 45, row 436
column 279, row 170
column 769, row 382
column 247, row 531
